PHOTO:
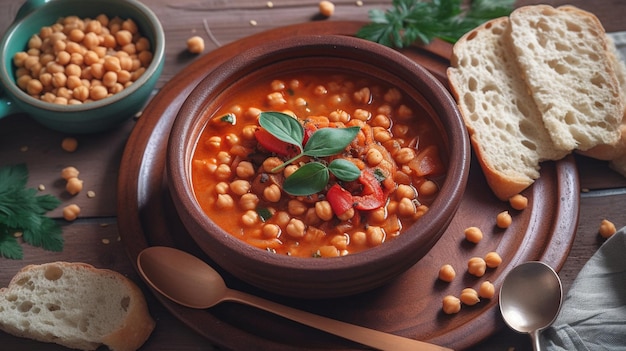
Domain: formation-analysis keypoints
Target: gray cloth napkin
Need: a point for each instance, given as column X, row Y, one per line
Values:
column 593, row 315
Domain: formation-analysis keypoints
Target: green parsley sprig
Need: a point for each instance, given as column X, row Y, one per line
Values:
column 411, row 21
column 22, row 210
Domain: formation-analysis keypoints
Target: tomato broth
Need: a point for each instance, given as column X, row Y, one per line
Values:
column 240, row 170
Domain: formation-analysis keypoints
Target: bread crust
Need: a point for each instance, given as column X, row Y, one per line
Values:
column 53, row 284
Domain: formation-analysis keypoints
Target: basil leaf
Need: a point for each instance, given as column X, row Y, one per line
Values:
column 344, row 169
column 307, row 180
column 283, row 127
column 329, row 141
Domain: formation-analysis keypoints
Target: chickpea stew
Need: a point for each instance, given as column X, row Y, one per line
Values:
column 318, row 164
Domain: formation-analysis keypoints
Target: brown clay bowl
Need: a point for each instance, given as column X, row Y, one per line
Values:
column 315, row 277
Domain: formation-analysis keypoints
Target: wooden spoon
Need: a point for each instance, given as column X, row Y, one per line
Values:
column 189, row 281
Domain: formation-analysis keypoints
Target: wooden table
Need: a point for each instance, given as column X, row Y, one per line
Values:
column 94, row 237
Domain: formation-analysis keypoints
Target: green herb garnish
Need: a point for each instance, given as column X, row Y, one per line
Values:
column 21, row 210
column 422, row 21
column 229, row 118
column 312, row 177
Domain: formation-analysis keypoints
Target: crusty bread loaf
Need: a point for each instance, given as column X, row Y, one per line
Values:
column 563, row 54
column 505, row 125
column 77, row 306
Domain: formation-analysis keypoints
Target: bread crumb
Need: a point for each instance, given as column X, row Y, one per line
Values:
column 41, row 187
column 91, row 194
column 106, row 241
column 69, row 144
column 18, row 234
column 607, row 229
column 359, row 3
column 253, row 23
column 270, row 4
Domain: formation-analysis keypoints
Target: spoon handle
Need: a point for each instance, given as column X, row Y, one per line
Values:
column 369, row 337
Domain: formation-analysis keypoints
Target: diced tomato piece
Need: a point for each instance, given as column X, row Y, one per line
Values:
column 372, row 196
column 340, row 199
column 273, row 144
column 427, row 162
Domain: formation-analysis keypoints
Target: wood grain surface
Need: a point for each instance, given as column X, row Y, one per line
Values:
column 94, row 238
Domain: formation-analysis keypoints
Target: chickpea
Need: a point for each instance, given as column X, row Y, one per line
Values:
column 476, row 266
column 406, row 207
column 224, row 202
column 296, row 228
column 363, row 95
column 405, row 191
column 469, row 296
column 361, row 114
column 404, row 155
column 327, row 8
column 221, row 188
column 381, row 121
column 98, row 93
column 271, row 163
column 492, row 259
column 473, row 234
column 375, row 235
column 451, row 304
column 607, row 229
column 271, row 230
column 240, row 187
column 296, row 207
column 359, row 238
column 518, row 202
column 328, row 251
column 224, row 157
column 74, row 186
column 272, row 193
column 248, row 131
column 289, row 170
column 428, row 188
column 34, row 87
column 71, row 212
column 447, row 273
column 339, row 116
column 250, row 218
column 340, row 241
column 404, row 112
column 223, row 171
column 503, row 220
column 378, row 215
column 323, row 210
column 248, row 201
column 281, row 218
column 69, row 172
column 373, row 157
column 347, row 215
column 486, row 290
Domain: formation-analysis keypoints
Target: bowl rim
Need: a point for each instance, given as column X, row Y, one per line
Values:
column 290, row 48
column 158, row 55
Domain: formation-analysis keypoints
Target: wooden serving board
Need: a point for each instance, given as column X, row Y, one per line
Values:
column 410, row 305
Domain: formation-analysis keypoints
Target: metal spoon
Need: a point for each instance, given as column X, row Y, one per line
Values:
column 189, row 281
column 530, row 299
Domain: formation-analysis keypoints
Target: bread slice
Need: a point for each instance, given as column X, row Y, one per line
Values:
column 77, row 306
column 563, row 54
column 505, row 125
column 615, row 152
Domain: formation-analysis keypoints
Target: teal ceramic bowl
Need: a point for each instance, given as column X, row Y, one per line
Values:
column 90, row 117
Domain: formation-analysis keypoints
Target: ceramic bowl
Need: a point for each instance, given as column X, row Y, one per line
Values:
column 94, row 116
column 313, row 277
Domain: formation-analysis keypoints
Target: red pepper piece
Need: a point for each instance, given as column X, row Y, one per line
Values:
column 372, row 196
column 273, row 144
column 340, row 199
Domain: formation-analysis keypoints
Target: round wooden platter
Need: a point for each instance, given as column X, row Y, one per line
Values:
column 411, row 304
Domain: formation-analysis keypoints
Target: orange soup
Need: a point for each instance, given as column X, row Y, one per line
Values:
column 318, row 164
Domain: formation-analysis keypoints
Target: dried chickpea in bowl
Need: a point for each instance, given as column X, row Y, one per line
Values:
column 79, row 60
column 81, row 66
